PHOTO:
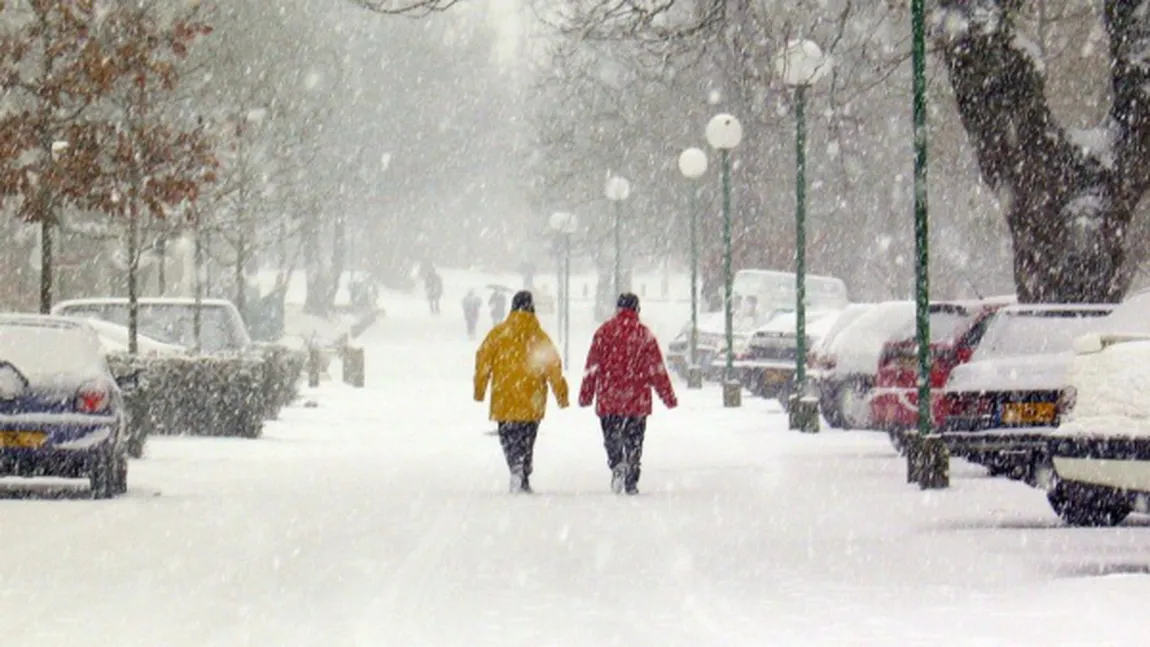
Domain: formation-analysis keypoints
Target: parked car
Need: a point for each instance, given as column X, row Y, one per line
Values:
column 766, row 367
column 60, row 408
column 846, row 366
column 1014, row 381
column 708, row 342
column 171, row 321
column 955, row 331
column 1099, row 470
column 757, row 297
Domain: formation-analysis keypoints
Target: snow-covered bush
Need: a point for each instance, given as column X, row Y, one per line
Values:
column 282, row 369
column 199, row 396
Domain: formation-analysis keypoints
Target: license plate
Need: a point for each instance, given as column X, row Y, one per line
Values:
column 1029, row 413
column 22, row 439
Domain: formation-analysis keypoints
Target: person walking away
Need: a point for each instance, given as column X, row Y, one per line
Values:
column 623, row 366
column 519, row 361
column 434, row 291
column 471, row 305
column 498, row 305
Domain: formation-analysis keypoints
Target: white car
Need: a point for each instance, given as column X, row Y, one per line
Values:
column 1101, row 453
column 845, row 366
column 170, row 320
column 1000, row 405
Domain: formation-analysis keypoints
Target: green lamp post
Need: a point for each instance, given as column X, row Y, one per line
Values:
column 693, row 164
column 800, row 65
column 724, row 132
column 928, row 461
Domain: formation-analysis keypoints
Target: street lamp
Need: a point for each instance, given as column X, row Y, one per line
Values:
column 928, row 460
column 724, row 133
column 564, row 224
column 693, row 164
column 800, row 65
column 617, row 190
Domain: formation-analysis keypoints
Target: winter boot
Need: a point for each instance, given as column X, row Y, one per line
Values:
column 519, row 484
column 619, row 478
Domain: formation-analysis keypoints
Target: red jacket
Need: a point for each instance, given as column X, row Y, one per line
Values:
column 624, row 364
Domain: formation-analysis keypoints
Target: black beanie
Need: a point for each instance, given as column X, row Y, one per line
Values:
column 628, row 301
column 523, row 301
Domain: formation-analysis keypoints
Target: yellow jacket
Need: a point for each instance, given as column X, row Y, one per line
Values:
column 519, row 361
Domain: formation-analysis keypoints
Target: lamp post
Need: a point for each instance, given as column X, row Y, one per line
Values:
column 724, row 132
column 693, row 164
column 617, row 190
column 928, row 460
column 564, row 224
column 800, row 65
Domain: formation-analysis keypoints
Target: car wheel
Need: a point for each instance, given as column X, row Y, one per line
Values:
column 108, row 475
column 851, row 401
column 136, row 447
column 1085, row 506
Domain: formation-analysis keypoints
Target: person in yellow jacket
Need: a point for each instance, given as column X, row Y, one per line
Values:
column 519, row 361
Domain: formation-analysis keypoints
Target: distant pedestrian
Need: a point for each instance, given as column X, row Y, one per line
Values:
column 433, row 285
column 520, row 362
column 498, row 305
column 623, row 365
column 471, row 305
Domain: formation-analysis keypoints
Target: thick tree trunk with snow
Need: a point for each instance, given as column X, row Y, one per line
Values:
column 1069, row 198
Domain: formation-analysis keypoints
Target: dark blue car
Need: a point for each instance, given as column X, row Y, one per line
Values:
column 61, row 411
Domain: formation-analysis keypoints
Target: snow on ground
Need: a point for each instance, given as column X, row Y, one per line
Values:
column 380, row 518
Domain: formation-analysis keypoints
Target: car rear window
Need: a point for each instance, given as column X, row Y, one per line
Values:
column 45, row 349
column 1012, row 334
column 946, row 323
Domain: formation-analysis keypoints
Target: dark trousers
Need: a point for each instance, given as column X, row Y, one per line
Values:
column 518, row 440
column 623, row 440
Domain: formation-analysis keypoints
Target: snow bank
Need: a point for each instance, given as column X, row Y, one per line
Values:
column 1111, row 393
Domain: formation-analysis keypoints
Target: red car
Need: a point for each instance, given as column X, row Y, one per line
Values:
column 955, row 330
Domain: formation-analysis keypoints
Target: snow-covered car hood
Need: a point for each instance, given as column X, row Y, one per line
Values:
column 1027, row 373
column 114, row 339
column 1110, row 392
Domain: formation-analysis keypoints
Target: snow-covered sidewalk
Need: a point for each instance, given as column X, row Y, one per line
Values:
column 380, row 517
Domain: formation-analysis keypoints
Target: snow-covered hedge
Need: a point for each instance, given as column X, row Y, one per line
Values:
column 282, row 370
column 212, row 395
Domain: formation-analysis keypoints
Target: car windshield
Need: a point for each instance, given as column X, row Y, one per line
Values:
column 46, row 350
column 171, row 323
column 1015, row 333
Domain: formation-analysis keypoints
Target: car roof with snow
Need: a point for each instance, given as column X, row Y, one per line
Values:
column 27, row 319
column 176, row 301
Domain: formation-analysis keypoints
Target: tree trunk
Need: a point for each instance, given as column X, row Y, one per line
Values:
column 241, row 282
column 133, row 270
column 1068, row 203
column 338, row 259
column 46, row 263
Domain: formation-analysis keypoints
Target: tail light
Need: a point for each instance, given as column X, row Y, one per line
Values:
column 92, row 399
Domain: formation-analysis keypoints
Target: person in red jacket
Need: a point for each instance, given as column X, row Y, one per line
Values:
column 623, row 365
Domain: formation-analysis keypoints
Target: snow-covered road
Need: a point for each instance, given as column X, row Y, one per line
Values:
column 380, row 517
